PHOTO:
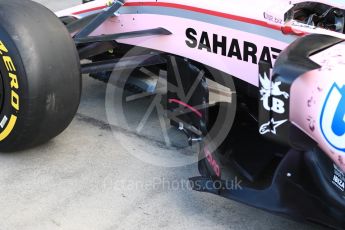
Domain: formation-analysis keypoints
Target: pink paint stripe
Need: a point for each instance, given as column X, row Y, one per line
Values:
column 194, row 110
column 204, row 11
column 191, row 8
column 89, row 10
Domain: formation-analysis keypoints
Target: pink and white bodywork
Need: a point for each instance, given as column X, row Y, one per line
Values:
column 318, row 103
column 233, row 37
column 250, row 34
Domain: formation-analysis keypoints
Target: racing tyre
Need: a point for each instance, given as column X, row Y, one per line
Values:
column 40, row 79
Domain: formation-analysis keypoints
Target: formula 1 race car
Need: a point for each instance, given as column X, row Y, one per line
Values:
column 283, row 134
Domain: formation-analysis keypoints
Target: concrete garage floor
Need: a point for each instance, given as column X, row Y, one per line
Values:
column 85, row 179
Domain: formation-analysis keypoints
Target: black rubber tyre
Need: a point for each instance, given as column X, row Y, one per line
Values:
column 40, row 79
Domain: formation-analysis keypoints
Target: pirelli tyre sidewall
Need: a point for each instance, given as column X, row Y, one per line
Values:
column 13, row 89
column 40, row 80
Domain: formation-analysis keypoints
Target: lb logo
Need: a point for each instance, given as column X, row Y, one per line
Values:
column 332, row 121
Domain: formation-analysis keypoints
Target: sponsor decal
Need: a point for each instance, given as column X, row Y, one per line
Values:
column 230, row 47
column 272, row 18
column 272, row 101
column 10, row 73
column 302, row 25
column 270, row 89
column 338, row 178
column 332, row 119
column 271, row 126
column 11, row 69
